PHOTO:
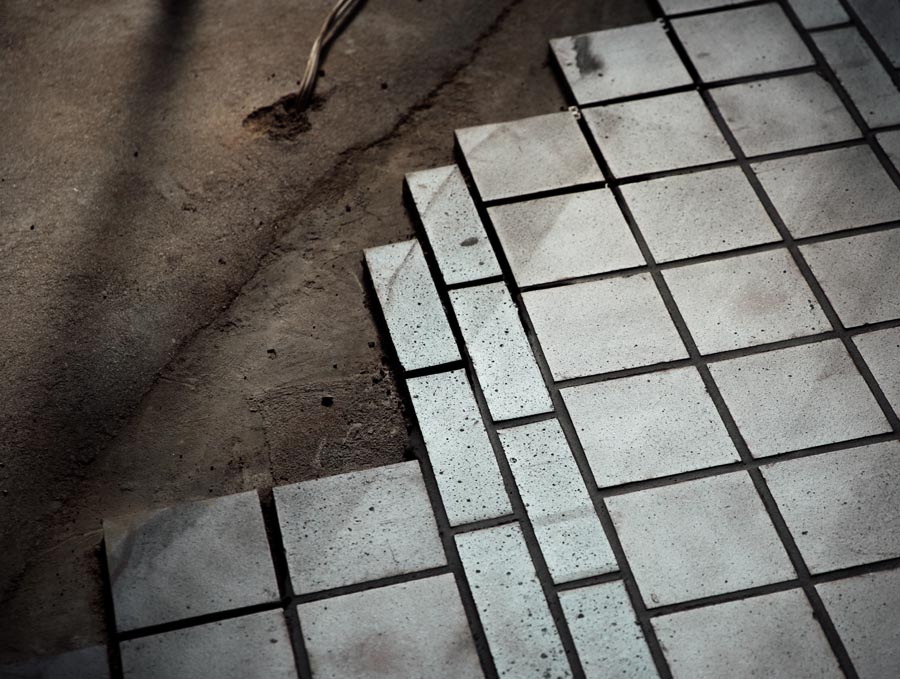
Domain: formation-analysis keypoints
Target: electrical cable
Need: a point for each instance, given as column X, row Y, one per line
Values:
column 336, row 19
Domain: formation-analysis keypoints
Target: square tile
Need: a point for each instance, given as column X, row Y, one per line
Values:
column 818, row 13
column 648, row 426
column 842, row 508
column 774, row 636
column 656, row 134
column 528, row 155
column 781, row 114
column 797, row 398
column 602, row 326
column 699, row 213
column 698, row 539
column 351, row 528
column 881, row 351
column 890, row 142
column 882, row 18
column 189, row 560
column 678, row 6
column 860, row 275
column 576, row 234
column 405, row 631
column 619, row 62
column 830, row 191
column 744, row 301
column 741, row 42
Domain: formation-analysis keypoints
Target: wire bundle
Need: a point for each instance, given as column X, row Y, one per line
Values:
column 333, row 24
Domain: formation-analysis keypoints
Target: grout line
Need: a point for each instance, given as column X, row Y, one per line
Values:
column 198, row 620
column 113, row 649
column 483, row 523
column 711, row 10
column 536, row 195
column 615, row 576
column 521, row 421
column 355, row 588
column 420, row 372
column 829, row 27
column 880, row 54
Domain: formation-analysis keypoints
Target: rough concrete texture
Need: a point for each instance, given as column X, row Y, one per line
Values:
column 181, row 278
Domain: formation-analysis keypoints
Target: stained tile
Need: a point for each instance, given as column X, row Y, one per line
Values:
column 882, row 18
column 890, row 142
column 881, row 351
column 818, row 13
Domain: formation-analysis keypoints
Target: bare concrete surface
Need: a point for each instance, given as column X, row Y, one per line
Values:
column 183, row 313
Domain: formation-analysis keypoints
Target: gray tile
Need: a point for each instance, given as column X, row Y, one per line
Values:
column 881, row 351
column 741, row 42
column 677, row 6
column 85, row 663
column 454, row 229
column 412, row 309
column 744, row 301
column 780, row 114
column 890, row 142
column 404, row 631
column 577, row 234
column 866, row 613
column 619, row 62
column 829, row 191
column 774, row 636
column 882, row 18
column 357, row 527
column 798, row 398
column 647, row 426
column 250, row 646
column 655, row 134
column 699, row 538
column 565, row 522
column 860, row 275
column 818, row 13
column 461, row 454
column 528, row 155
column 602, row 326
column 699, row 213
column 189, row 560
column 608, row 637
column 517, row 623
column 842, row 508
column 500, row 352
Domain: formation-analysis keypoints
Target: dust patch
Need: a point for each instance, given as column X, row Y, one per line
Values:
column 285, row 120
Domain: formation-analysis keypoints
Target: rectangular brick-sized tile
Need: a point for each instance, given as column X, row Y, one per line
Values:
column 699, row 213
column 607, row 635
column 774, row 636
column 799, row 397
column 576, row 234
column 742, row 42
column 678, row 6
column 500, row 352
column 830, row 191
column 461, row 454
column 603, row 326
column 842, row 508
column 412, row 309
column 404, row 631
column 881, row 351
column 357, row 527
column 656, row 134
column 780, row 114
column 890, row 142
column 564, row 518
column 744, row 301
column 860, row 275
column 648, row 426
column 451, row 221
column 90, row 662
column 619, row 62
column 255, row 645
column 865, row 611
column 517, row 622
column 189, row 560
column 529, row 155
column 818, row 13
column 882, row 18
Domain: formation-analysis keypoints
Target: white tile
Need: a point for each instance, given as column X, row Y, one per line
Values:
column 655, row 134
column 774, row 636
column 565, row 522
column 454, row 229
column 842, row 508
column 619, row 62
column 881, row 351
column 461, row 454
column 500, row 352
column 647, row 426
column 412, row 309
column 677, row 6
column 780, row 114
column 699, row 213
column 829, row 191
column 528, row 155
column 699, row 538
column 357, row 527
column 576, row 234
column 818, row 13
column 517, row 623
column 741, row 42
column 405, row 631
column 602, row 326
column 882, row 18
column 890, row 142
column 608, row 637
column 744, row 301
column 798, row 398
